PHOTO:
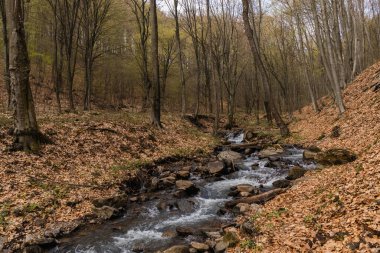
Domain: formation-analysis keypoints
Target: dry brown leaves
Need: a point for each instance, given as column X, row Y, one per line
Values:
column 336, row 209
column 92, row 155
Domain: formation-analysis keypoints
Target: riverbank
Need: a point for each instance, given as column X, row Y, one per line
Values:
column 336, row 209
column 91, row 158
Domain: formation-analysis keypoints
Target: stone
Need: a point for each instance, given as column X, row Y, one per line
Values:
column 281, row 183
column 245, row 188
column 295, row 173
column 216, row 168
column 230, row 156
column 185, row 205
column 165, row 205
column 166, row 182
column 32, row 249
column 116, row 202
column 249, row 229
column 221, row 247
column 243, row 207
column 186, row 231
column 309, row 155
column 213, row 235
column 271, row 151
column 335, row 157
column 245, row 194
column 231, row 239
column 154, row 183
column 105, row 212
column 183, row 174
column 177, row 249
column 201, row 247
column 169, row 234
column 187, row 186
column 37, row 240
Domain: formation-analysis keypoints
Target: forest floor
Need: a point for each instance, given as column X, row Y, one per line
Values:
column 92, row 156
column 334, row 209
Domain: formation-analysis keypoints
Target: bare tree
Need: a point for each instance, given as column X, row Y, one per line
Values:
column 6, row 52
column 94, row 17
column 255, row 48
column 25, row 123
column 156, row 103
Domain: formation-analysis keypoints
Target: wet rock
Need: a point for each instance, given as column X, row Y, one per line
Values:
column 192, row 250
column 309, row 155
column 154, row 183
column 281, row 183
column 274, row 164
column 186, row 231
column 200, row 247
column 216, row 168
column 105, row 212
column 246, row 188
column 185, row 205
column 245, row 194
column 187, row 186
column 37, row 240
column 166, row 182
column 134, row 199
column 32, row 249
column 180, row 194
column 249, row 136
column 183, row 174
column 166, row 205
column 116, row 202
column 249, row 229
column 271, row 151
column 177, row 249
column 169, row 234
column 295, row 173
column 230, row 156
column 335, row 157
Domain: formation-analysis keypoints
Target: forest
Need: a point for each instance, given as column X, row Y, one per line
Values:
column 190, row 126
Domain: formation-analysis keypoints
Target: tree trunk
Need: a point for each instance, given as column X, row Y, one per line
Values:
column 7, row 81
column 156, row 105
column 180, row 55
column 254, row 45
column 25, row 122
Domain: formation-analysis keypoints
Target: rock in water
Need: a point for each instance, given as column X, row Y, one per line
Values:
column 177, row 249
column 295, row 173
column 187, row 186
column 230, row 156
column 335, row 157
column 309, row 155
column 216, row 168
column 272, row 151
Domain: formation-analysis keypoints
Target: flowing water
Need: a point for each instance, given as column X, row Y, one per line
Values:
column 144, row 228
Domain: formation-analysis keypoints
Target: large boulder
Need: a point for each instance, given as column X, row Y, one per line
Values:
column 282, row 183
column 216, row 168
column 230, row 156
column 295, row 173
column 271, row 151
column 335, row 157
column 309, row 155
column 177, row 249
column 187, row 186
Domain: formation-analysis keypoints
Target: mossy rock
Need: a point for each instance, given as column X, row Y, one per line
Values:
column 295, row 173
column 335, row 157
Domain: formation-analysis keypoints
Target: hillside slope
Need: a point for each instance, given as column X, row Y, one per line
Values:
column 336, row 209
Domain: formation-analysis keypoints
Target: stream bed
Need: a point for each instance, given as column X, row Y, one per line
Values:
column 145, row 227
